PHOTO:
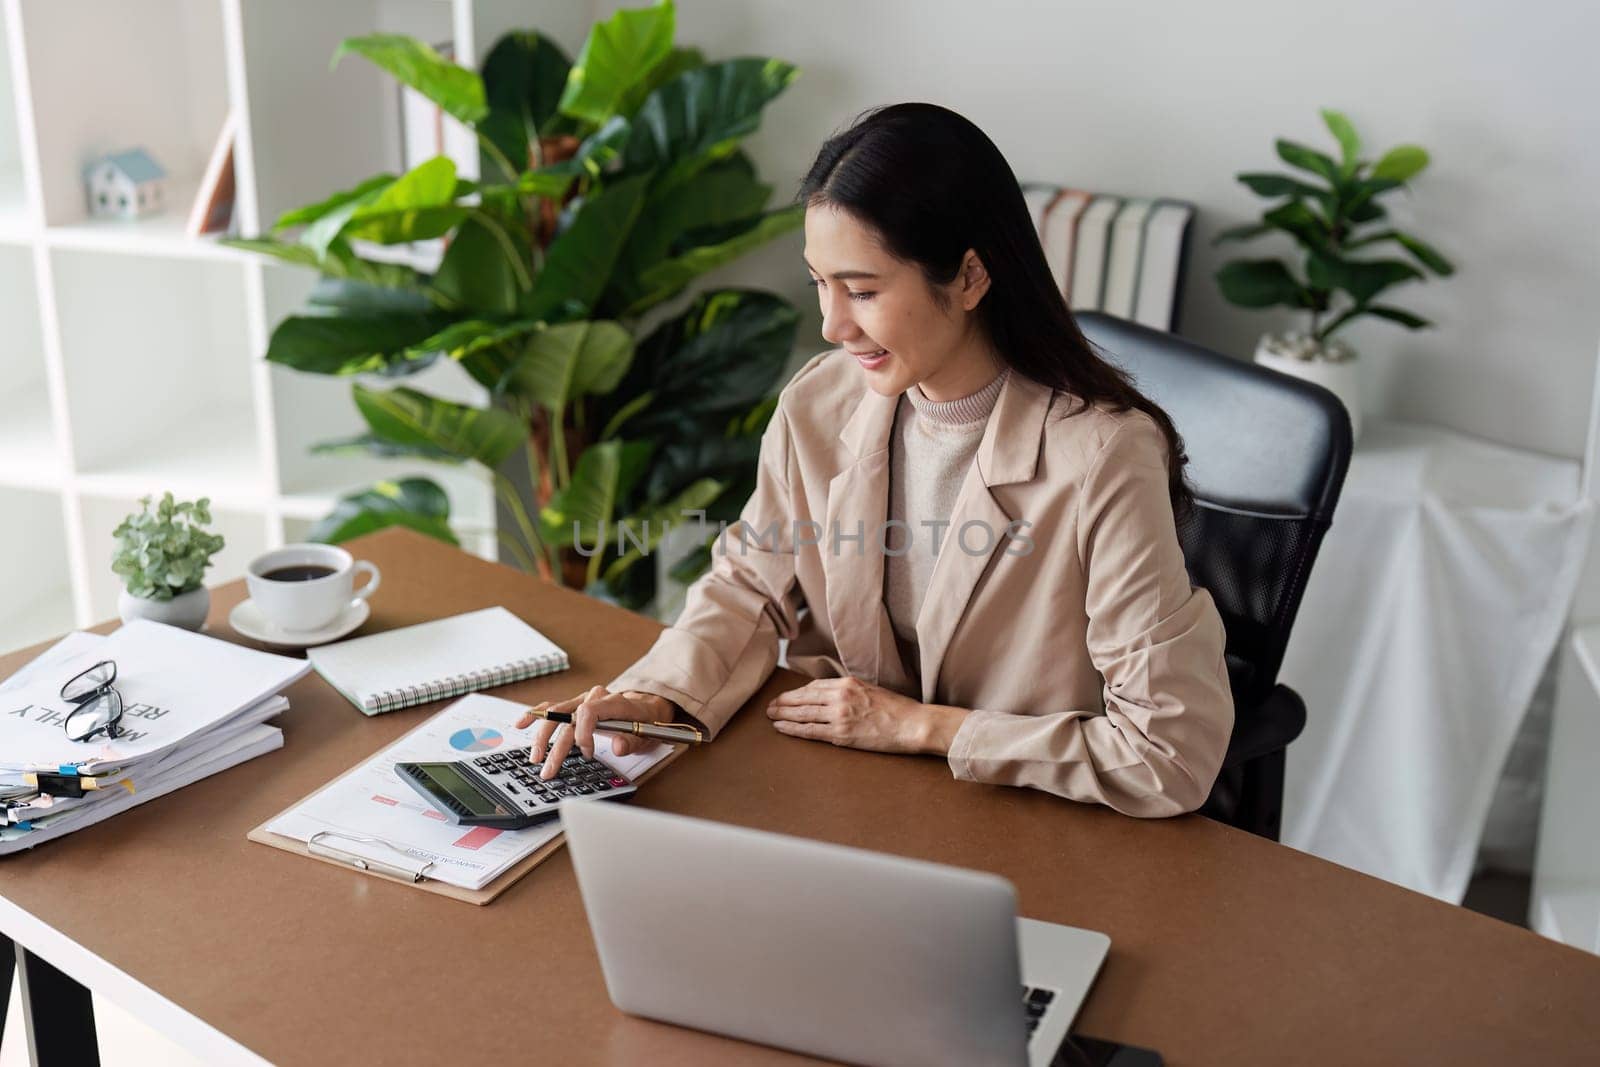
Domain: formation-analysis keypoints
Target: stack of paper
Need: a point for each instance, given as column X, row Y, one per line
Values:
column 193, row 706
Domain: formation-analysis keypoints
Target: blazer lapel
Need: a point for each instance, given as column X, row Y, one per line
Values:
column 1008, row 453
column 858, row 500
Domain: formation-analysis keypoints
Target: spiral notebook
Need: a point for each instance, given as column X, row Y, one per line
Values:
column 434, row 660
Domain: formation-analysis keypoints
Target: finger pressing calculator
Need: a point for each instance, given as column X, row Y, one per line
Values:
column 504, row 790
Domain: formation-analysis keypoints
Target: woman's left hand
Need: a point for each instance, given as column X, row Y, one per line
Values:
column 857, row 714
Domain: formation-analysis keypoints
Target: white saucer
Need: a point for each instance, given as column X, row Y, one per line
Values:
column 248, row 620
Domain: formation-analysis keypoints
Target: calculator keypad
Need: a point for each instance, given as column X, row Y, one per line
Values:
column 579, row 776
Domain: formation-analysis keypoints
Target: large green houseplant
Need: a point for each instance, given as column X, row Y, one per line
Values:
column 1331, row 211
column 609, row 184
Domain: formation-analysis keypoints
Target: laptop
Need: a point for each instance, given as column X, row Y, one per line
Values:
column 832, row 951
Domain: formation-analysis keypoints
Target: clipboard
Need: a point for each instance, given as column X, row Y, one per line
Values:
column 415, row 876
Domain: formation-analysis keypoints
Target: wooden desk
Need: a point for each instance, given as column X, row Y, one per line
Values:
column 1225, row 948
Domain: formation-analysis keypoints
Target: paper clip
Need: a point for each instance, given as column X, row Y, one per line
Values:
column 410, row 874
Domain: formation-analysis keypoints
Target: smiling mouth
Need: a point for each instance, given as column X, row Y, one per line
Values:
column 870, row 360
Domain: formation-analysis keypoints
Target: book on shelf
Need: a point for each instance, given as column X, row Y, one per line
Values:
column 1161, row 264
column 212, row 210
column 1060, row 232
column 1122, row 258
column 1089, row 252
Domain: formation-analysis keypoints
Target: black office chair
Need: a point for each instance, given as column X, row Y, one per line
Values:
column 1267, row 458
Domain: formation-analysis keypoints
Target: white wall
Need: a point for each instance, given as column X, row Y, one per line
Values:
column 1174, row 98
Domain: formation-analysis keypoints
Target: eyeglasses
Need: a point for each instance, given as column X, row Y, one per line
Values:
column 97, row 707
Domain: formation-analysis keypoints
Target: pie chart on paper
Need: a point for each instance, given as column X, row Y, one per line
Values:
column 475, row 739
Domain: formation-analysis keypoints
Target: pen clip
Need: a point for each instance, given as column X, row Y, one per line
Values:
column 315, row 846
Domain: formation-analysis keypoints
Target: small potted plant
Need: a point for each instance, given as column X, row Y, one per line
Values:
column 1331, row 216
column 161, row 556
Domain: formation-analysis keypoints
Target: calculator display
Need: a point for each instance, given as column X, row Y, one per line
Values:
column 443, row 780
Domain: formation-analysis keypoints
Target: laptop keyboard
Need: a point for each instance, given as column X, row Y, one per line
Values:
column 1035, row 1001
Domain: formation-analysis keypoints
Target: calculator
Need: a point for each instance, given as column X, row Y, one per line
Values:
column 504, row 790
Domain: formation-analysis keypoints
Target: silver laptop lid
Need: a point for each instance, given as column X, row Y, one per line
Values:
column 833, row 951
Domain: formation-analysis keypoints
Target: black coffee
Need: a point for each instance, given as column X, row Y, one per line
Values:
column 300, row 572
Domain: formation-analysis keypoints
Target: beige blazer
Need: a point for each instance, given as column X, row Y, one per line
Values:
column 1093, row 668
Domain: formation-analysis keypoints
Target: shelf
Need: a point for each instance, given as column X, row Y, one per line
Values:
column 109, row 76
column 33, row 569
column 157, row 235
column 317, row 129
column 159, row 387
column 245, row 534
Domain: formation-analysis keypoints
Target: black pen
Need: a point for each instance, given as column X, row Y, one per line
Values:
column 660, row 731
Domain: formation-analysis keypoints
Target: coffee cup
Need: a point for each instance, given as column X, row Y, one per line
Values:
column 307, row 586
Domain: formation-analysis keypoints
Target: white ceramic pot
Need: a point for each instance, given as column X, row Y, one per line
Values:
column 187, row 610
column 1340, row 376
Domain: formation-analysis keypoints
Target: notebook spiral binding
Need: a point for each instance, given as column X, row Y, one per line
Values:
column 457, row 684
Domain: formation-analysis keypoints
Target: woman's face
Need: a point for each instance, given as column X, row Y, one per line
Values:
column 883, row 311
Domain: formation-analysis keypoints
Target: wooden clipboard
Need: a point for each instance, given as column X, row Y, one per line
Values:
column 261, row 835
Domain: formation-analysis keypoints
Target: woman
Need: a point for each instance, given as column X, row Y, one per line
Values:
column 977, row 510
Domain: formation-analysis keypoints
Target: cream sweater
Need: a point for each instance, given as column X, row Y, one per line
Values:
column 930, row 451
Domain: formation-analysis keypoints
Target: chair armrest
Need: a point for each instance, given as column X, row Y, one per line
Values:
column 1269, row 726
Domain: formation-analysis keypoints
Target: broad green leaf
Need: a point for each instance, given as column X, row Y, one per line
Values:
column 406, row 416
column 580, row 261
column 1404, row 318
column 604, row 474
column 1297, row 220
column 575, row 359
column 370, row 444
column 523, row 79
column 699, row 117
column 646, row 528
column 1361, row 279
column 349, row 343
column 1345, row 133
column 1402, row 163
column 304, row 216
column 725, row 192
column 418, row 205
column 1298, row 155
column 1283, row 185
column 460, row 340
column 738, row 338
column 1426, row 254
column 619, row 54
column 477, row 272
column 1241, row 233
column 668, row 279
column 339, row 261
column 679, row 462
column 416, row 503
column 1259, row 283
column 348, row 294
column 457, row 90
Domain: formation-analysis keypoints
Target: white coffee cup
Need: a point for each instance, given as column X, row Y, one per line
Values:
column 295, row 602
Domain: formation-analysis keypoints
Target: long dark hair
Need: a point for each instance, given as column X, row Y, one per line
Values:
column 933, row 185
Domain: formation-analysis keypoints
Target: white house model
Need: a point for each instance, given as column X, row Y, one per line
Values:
column 127, row 185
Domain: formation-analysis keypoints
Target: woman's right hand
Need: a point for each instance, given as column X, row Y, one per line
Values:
column 586, row 710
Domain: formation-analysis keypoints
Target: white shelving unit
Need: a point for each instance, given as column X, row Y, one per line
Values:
column 133, row 361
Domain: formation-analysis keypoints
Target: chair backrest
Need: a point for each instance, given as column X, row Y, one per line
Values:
column 1267, row 457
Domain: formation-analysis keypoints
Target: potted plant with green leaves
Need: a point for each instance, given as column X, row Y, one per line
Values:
column 609, row 184
column 161, row 555
column 1331, row 211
